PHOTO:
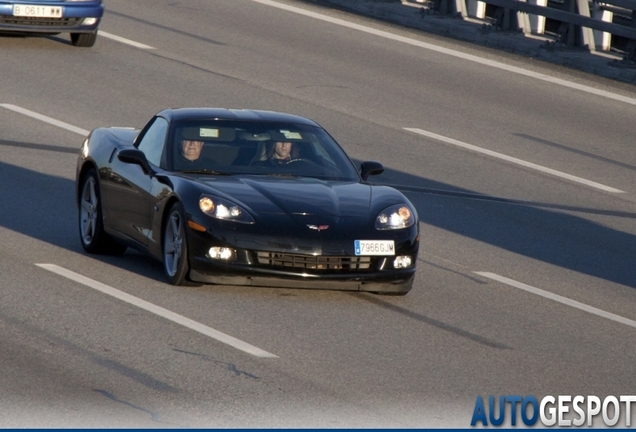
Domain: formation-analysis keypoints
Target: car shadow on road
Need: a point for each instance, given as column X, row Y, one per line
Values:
column 58, row 38
column 549, row 232
column 43, row 206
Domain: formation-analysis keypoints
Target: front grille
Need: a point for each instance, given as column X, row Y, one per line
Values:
column 40, row 22
column 315, row 262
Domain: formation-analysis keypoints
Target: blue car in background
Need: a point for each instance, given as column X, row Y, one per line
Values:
column 80, row 18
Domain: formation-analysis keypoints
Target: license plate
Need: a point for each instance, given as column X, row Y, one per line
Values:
column 37, row 11
column 374, row 247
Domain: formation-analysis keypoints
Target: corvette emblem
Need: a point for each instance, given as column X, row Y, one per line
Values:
column 318, row 227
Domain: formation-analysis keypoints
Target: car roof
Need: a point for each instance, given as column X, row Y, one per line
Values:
column 233, row 114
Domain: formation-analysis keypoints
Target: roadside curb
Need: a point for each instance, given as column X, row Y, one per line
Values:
column 540, row 47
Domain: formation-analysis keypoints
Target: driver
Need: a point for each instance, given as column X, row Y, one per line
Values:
column 191, row 149
column 189, row 156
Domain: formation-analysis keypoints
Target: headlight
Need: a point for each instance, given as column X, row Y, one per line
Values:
column 223, row 209
column 395, row 217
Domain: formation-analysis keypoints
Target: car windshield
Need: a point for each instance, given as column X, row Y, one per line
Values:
column 229, row 147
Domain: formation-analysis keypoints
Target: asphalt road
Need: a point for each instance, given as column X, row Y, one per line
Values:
column 522, row 174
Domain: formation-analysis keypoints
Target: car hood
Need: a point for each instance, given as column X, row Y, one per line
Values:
column 302, row 196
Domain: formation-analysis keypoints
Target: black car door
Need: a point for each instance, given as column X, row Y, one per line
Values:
column 129, row 199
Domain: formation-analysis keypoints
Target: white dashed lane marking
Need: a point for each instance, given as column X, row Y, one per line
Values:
column 157, row 310
column 514, row 160
column 45, row 119
column 558, row 298
column 125, row 41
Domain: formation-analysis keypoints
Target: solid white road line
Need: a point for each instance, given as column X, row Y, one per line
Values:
column 457, row 54
column 157, row 310
column 45, row 119
column 124, row 40
column 514, row 160
column 558, row 298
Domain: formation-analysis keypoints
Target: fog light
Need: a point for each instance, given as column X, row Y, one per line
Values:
column 222, row 253
column 403, row 261
column 89, row 21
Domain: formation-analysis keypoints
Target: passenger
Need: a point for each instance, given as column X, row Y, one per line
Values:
column 278, row 153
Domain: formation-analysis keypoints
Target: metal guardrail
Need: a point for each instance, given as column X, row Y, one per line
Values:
column 572, row 15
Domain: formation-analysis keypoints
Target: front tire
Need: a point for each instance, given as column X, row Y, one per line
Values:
column 85, row 40
column 175, row 246
column 91, row 222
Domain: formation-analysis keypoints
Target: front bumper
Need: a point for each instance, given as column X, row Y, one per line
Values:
column 321, row 265
column 391, row 285
column 73, row 19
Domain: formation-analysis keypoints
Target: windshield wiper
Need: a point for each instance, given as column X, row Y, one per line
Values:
column 281, row 175
column 204, row 171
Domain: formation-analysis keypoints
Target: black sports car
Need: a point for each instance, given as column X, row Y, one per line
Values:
column 245, row 197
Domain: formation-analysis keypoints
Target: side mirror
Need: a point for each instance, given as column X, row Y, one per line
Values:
column 370, row 168
column 134, row 156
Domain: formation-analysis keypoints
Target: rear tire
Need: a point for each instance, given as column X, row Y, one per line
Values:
column 175, row 247
column 85, row 40
column 91, row 221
